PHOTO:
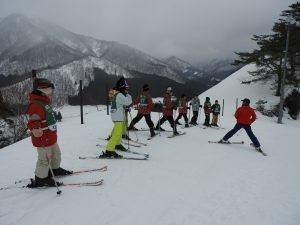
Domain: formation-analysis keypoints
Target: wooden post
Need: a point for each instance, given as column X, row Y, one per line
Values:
column 107, row 99
column 223, row 107
column 81, row 101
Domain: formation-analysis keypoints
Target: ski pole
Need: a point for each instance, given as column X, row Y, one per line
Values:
column 137, row 138
column 219, row 120
column 159, row 123
column 189, row 114
column 50, row 167
column 174, row 125
column 126, row 127
column 159, row 118
column 199, row 116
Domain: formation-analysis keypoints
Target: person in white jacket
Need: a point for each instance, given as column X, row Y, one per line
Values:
column 120, row 100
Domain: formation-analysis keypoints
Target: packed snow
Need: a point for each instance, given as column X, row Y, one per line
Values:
column 186, row 180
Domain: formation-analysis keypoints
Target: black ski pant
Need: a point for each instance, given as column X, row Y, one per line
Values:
column 194, row 117
column 171, row 121
column 184, row 116
column 207, row 119
column 247, row 128
column 139, row 116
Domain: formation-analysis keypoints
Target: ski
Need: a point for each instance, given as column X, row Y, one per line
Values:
column 138, row 142
column 134, row 143
column 81, row 184
column 125, row 142
column 78, row 184
column 151, row 137
column 128, row 150
column 101, row 169
column 145, row 129
column 230, row 142
column 259, row 150
column 213, row 127
column 175, row 135
column 126, row 158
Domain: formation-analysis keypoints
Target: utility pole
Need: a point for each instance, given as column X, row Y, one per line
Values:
column 280, row 114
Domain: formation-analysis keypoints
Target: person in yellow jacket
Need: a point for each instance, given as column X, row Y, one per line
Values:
column 121, row 99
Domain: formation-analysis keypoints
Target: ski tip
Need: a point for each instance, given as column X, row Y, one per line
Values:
column 104, row 168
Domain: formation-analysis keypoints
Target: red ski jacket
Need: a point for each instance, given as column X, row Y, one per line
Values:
column 37, row 119
column 167, row 105
column 245, row 115
column 182, row 108
column 145, row 103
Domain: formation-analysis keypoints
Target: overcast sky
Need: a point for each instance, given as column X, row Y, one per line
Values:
column 194, row 30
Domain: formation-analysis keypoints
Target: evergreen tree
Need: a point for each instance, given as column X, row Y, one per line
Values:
column 270, row 53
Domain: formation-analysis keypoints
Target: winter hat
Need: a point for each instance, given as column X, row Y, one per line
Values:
column 121, row 84
column 207, row 98
column 42, row 83
column 169, row 89
column 246, row 101
column 145, row 87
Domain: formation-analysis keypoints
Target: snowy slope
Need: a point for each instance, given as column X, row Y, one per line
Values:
column 185, row 181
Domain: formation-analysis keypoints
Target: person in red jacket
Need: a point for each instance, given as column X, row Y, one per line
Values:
column 245, row 116
column 182, row 108
column 42, row 125
column 207, row 111
column 167, row 112
column 145, row 104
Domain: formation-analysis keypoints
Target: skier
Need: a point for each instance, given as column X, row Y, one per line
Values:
column 245, row 116
column 215, row 108
column 145, row 104
column 207, row 111
column 59, row 116
column 111, row 94
column 42, row 125
column 120, row 99
column 195, row 103
column 182, row 108
column 167, row 112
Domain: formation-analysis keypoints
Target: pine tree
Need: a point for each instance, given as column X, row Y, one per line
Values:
column 270, row 53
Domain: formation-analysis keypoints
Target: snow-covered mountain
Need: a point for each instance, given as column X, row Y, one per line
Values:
column 217, row 69
column 27, row 43
column 186, row 69
column 186, row 180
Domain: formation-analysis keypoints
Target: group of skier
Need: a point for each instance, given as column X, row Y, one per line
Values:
column 42, row 123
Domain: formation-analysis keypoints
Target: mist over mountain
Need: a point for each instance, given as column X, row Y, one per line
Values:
column 64, row 57
column 27, row 43
column 217, row 69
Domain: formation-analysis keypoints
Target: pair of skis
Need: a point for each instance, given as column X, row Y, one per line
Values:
column 170, row 136
column 239, row 142
column 78, row 184
column 178, row 134
column 144, row 156
column 128, row 150
column 134, row 143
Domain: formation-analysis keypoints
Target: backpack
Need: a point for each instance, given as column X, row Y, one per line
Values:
column 50, row 117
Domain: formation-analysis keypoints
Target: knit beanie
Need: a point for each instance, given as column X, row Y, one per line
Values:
column 145, row 87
